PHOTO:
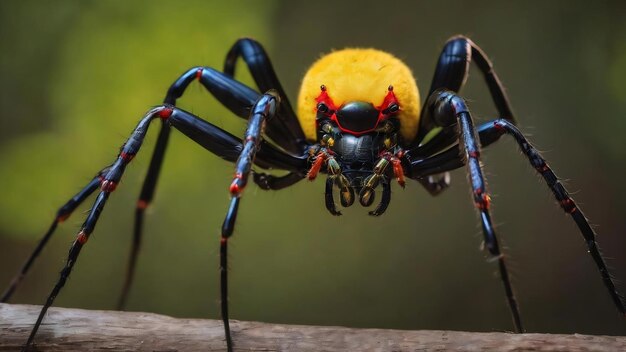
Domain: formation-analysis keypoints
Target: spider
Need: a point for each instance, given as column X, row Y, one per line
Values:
column 359, row 121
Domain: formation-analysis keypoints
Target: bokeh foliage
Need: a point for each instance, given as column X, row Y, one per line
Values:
column 77, row 75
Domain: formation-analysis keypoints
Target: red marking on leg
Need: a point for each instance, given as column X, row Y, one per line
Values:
column 239, row 176
column 82, row 237
column 63, row 217
column 498, row 126
column 127, row 157
column 484, row 203
column 250, row 139
column 543, row 168
column 568, row 205
column 199, row 74
column 223, row 240
column 398, row 171
column 474, row 154
column 165, row 113
column 235, row 189
column 316, row 167
column 108, row 186
column 142, row 204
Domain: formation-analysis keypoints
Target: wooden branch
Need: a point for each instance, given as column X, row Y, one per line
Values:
column 84, row 330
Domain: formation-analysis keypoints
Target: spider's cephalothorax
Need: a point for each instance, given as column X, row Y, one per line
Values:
column 359, row 120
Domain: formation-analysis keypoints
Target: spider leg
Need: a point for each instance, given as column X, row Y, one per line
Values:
column 499, row 127
column 450, row 109
column 234, row 95
column 107, row 185
column 435, row 184
column 453, row 68
column 62, row 214
column 489, row 133
column 285, row 128
column 207, row 135
column 451, row 73
column 272, row 182
column 264, row 109
column 482, row 201
column 145, row 198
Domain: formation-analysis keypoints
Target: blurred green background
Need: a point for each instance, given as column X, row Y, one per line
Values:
column 77, row 75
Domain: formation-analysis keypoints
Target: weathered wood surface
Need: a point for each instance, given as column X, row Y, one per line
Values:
column 85, row 330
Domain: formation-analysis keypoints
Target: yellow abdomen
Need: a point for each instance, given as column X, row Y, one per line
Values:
column 360, row 75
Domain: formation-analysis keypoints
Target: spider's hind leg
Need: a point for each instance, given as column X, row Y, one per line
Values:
column 62, row 214
column 491, row 132
column 108, row 182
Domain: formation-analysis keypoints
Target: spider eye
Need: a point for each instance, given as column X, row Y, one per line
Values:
column 323, row 108
column 393, row 108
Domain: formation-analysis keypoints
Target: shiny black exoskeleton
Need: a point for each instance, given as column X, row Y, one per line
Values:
column 359, row 148
column 357, row 155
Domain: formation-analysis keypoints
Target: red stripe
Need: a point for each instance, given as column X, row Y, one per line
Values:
column 82, row 237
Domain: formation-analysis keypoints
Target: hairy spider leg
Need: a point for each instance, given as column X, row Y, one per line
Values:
column 449, row 109
column 107, row 185
column 209, row 136
column 285, row 130
column 482, row 202
column 451, row 73
column 62, row 214
column 492, row 131
column 262, row 111
column 207, row 77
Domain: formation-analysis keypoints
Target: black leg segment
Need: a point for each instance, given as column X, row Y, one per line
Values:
column 285, row 129
column 502, row 126
column 108, row 182
column 62, row 214
column 482, row 201
column 450, row 74
column 264, row 109
column 272, row 182
column 234, row 95
column 447, row 106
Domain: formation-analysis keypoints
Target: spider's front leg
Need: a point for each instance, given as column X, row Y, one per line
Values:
column 263, row 110
column 448, row 110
